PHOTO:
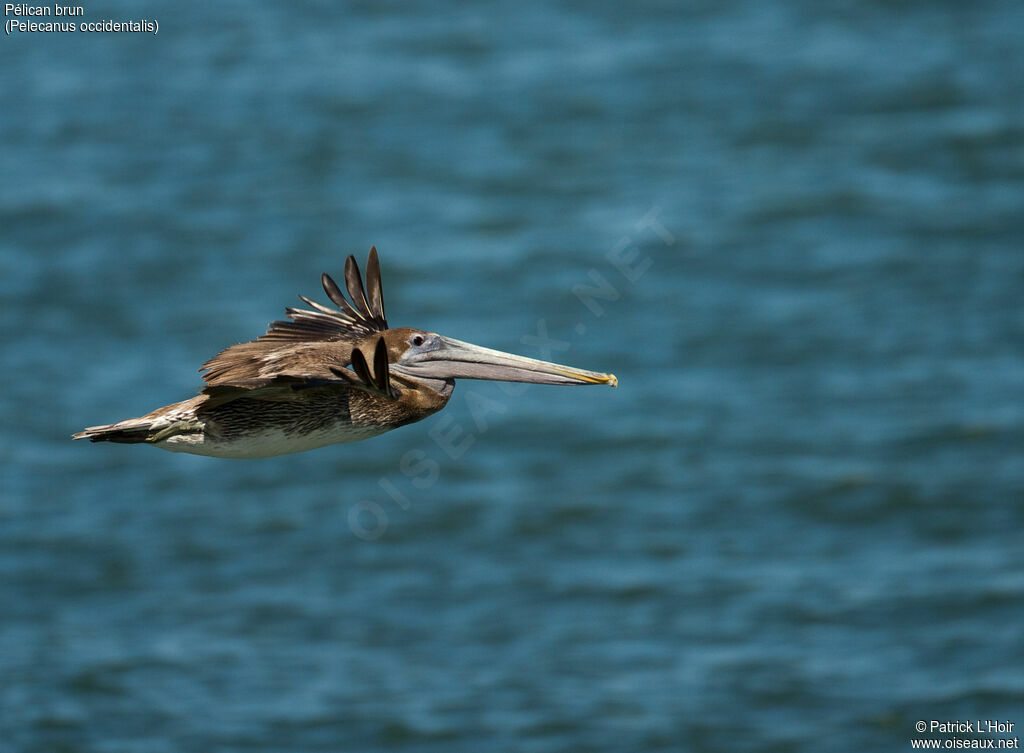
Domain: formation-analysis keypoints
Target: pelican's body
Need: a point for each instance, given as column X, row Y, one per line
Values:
column 328, row 376
column 269, row 424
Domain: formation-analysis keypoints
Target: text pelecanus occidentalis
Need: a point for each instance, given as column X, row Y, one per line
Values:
column 327, row 376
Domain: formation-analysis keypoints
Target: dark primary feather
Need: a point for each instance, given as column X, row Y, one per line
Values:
column 380, row 367
column 377, row 382
column 313, row 341
column 367, row 308
column 361, row 368
column 374, row 289
column 334, row 293
column 354, row 283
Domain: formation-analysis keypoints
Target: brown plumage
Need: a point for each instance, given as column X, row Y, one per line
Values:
column 314, row 340
column 325, row 376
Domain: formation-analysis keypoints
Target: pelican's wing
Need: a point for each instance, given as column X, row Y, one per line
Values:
column 284, row 386
column 312, row 341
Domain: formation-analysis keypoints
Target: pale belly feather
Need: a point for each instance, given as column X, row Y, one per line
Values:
column 268, row 442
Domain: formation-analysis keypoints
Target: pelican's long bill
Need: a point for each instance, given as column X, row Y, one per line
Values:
column 454, row 359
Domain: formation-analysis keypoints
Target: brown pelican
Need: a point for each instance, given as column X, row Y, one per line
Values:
column 324, row 377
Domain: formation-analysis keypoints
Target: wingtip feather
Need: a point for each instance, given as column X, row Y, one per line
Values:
column 374, row 289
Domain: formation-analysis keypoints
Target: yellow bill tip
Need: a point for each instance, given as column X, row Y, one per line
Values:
column 591, row 377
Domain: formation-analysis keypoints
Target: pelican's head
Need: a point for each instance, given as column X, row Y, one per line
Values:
column 424, row 355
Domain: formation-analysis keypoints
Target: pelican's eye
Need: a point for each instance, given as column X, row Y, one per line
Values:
column 416, row 340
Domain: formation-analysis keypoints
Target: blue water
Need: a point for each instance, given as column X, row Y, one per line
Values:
column 796, row 525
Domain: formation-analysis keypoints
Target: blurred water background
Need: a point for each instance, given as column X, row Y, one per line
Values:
column 795, row 526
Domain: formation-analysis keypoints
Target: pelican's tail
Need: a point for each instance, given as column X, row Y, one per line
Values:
column 153, row 427
column 129, row 431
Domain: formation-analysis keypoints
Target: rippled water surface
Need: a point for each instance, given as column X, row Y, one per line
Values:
column 793, row 233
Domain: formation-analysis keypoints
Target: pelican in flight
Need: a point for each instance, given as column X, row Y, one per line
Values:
column 324, row 377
